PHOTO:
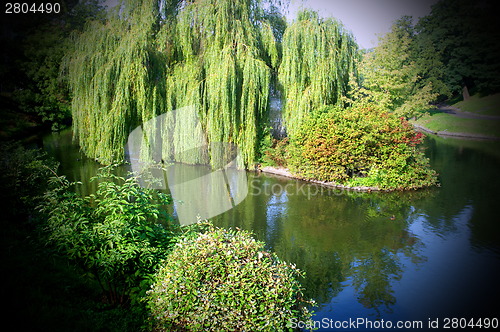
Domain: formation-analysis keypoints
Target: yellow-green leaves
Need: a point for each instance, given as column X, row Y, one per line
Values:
column 318, row 58
column 211, row 278
column 212, row 55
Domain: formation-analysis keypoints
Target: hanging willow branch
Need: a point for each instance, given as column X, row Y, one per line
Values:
column 214, row 55
column 318, row 58
column 221, row 49
column 113, row 74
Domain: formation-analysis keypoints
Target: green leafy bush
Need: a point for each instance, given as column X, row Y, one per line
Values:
column 361, row 146
column 276, row 154
column 117, row 236
column 24, row 177
column 222, row 281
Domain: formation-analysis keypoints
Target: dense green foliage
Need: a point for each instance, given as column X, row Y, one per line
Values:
column 360, row 146
column 111, row 73
column 36, row 46
column 452, row 50
column 222, row 280
column 117, row 236
column 465, row 35
column 145, row 60
column 391, row 73
column 116, row 240
column 24, row 177
column 276, row 154
column 44, row 291
column 319, row 59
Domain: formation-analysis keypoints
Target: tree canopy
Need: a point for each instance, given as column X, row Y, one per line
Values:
column 221, row 57
column 391, row 72
column 150, row 58
column 465, row 35
column 34, row 45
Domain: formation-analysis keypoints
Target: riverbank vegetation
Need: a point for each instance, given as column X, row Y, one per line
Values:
column 120, row 68
column 362, row 147
column 345, row 112
column 112, row 244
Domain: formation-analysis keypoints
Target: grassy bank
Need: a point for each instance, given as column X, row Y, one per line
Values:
column 442, row 123
column 487, row 105
column 438, row 121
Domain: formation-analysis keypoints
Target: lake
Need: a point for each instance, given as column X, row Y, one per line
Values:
column 422, row 255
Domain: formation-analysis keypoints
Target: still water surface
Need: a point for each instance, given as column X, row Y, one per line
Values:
column 415, row 255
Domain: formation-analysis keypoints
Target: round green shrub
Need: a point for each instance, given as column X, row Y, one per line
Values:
column 222, row 280
column 361, row 146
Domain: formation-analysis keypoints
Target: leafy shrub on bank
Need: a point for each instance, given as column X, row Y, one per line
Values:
column 24, row 176
column 276, row 154
column 222, row 281
column 117, row 236
column 363, row 146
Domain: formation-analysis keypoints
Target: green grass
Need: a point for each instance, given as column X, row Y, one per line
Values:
column 488, row 105
column 438, row 121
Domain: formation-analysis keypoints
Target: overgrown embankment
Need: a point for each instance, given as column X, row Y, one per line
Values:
column 76, row 263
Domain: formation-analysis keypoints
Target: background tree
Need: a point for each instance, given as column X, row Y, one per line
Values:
column 465, row 34
column 392, row 75
column 36, row 46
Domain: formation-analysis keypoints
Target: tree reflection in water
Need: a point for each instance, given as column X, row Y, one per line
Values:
column 338, row 239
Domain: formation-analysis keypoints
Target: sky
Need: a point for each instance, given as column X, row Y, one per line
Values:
column 366, row 19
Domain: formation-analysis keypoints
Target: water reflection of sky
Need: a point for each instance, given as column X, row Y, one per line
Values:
column 276, row 208
column 452, row 280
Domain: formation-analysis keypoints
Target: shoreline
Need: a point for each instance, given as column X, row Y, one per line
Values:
column 454, row 134
column 281, row 171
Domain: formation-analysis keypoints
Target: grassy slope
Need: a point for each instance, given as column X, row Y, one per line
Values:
column 437, row 121
column 490, row 105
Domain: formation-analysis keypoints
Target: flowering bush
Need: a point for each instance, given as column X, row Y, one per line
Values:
column 222, row 281
column 360, row 147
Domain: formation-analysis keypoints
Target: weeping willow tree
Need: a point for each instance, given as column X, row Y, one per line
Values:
column 116, row 78
column 319, row 58
column 152, row 57
column 223, row 53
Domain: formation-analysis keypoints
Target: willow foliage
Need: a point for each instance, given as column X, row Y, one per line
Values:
column 222, row 52
column 319, row 56
column 154, row 57
column 110, row 76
